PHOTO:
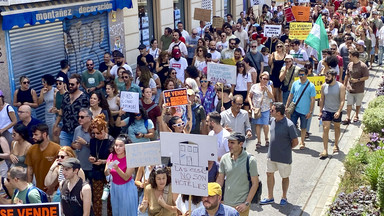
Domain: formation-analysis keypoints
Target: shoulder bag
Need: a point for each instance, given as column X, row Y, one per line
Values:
column 256, row 112
column 292, row 105
column 285, row 88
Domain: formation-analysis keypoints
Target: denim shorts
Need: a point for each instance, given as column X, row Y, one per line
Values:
column 303, row 121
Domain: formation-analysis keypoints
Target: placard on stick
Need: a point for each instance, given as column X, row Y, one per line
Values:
column 143, row 154
column 202, row 14
column 318, row 81
column 301, row 13
column 129, row 101
column 272, row 30
column 289, row 17
column 299, row 30
column 175, row 97
column 221, row 73
column 217, row 22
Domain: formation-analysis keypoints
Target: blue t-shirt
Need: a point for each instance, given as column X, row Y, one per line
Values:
column 223, row 210
column 138, row 126
column 305, row 102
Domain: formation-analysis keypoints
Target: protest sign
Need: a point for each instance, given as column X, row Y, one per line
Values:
column 299, row 30
column 217, row 22
column 221, row 73
column 38, row 209
column 202, row 14
column 176, row 97
column 256, row 10
column 318, row 81
column 143, row 154
column 289, row 17
column 256, row 2
column 301, row 13
column 272, row 30
column 189, row 180
column 303, row 1
column 129, row 101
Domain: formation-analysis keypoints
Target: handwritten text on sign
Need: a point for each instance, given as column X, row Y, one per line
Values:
column 272, row 30
column 143, row 154
column 318, row 81
column 42, row 209
column 191, row 180
column 221, row 73
column 299, row 30
column 175, row 97
column 129, row 101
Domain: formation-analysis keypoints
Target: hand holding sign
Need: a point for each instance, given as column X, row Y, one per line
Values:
column 129, row 101
column 176, row 97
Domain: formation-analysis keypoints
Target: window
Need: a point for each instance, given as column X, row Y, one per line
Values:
column 146, row 21
column 178, row 12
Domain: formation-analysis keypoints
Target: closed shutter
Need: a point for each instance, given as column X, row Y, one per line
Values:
column 35, row 51
column 86, row 38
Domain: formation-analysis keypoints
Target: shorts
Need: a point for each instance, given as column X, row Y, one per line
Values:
column 372, row 51
column 303, row 121
column 354, row 98
column 283, row 168
column 328, row 116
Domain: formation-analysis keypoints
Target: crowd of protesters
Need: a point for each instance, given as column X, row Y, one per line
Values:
column 76, row 152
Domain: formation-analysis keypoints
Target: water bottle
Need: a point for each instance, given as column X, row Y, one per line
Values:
column 105, row 192
column 320, row 125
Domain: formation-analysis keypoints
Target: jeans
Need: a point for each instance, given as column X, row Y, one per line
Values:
column 380, row 56
column 285, row 97
column 65, row 138
column 303, row 121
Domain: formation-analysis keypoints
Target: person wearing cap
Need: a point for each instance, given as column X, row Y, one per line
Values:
column 300, row 56
column 178, row 63
column 283, row 140
column 176, row 41
column 360, row 47
column 119, row 62
column 145, row 59
column 57, row 100
column 212, row 204
column 76, row 194
column 233, row 169
column 92, row 80
column 287, row 76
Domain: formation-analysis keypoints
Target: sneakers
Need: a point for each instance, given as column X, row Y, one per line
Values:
column 283, row 202
column 267, row 201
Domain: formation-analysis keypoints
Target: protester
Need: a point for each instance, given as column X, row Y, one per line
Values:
column 25, row 192
column 25, row 95
column 57, row 101
column 213, row 121
column 207, row 94
column 19, row 145
column 47, row 95
column 7, row 118
column 119, row 80
column 276, row 62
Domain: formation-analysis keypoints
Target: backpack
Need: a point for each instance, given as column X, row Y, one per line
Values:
column 257, row 197
column 43, row 195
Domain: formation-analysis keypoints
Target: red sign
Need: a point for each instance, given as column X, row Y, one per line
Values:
column 289, row 15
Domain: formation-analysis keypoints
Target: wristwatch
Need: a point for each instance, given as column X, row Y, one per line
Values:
column 246, row 203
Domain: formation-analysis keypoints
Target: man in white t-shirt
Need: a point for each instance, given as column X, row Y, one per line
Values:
column 176, row 41
column 215, row 54
column 213, row 122
column 184, row 33
column 300, row 56
column 178, row 63
column 119, row 62
column 242, row 35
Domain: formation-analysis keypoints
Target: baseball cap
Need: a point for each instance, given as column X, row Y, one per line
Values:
column 190, row 92
column 71, row 163
column 176, row 53
column 61, row 79
column 288, row 57
column 236, row 136
column 214, row 189
column 360, row 42
column 142, row 46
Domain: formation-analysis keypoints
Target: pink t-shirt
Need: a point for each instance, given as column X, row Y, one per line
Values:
column 122, row 165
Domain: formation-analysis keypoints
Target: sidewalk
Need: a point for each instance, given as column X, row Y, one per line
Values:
column 313, row 182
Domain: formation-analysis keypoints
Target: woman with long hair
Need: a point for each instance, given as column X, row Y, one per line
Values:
column 114, row 106
column 154, row 50
column 47, row 94
column 19, row 145
column 162, row 66
column 140, row 127
column 25, row 95
column 207, row 94
column 123, row 191
column 4, row 155
column 276, row 62
column 100, row 145
column 119, row 81
column 7, row 118
column 243, row 83
column 250, row 69
column 199, row 60
column 98, row 105
column 144, row 79
column 172, row 75
column 57, row 99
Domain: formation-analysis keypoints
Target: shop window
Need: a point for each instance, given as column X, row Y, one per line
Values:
column 178, row 12
column 227, row 7
column 146, row 21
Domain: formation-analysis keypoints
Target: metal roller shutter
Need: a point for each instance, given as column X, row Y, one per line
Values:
column 86, row 38
column 35, row 51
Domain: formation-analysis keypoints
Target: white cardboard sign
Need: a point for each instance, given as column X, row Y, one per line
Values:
column 190, row 180
column 222, row 73
column 272, row 30
column 143, row 154
column 129, row 101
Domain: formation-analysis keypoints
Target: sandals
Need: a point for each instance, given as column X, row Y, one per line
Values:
column 267, row 142
column 356, row 119
column 336, row 149
column 302, row 146
column 346, row 122
column 323, row 155
column 258, row 145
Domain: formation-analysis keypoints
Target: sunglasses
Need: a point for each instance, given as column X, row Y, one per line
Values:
column 174, row 73
column 125, row 77
column 265, row 79
column 138, row 115
column 203, row 81
column 72, row 84
column 194, row 33
column 222, row 35
column 61, row 156
column 301, row 75
column 288, row 61
column 82, row 117
column 279, row 46
column 178, row 124
column 253, row 46
column 292, row 45
column 43, row 82
column 59, row 83
column 27, row 82
column 89, row 65
column 233, row 43
column 200, row 51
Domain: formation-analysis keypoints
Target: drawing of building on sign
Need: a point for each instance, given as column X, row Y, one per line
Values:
column 189, row 153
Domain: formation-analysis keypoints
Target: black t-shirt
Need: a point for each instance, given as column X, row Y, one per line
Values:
column 103, row 67
column 349, row 5
column 227, row 105
column 65, row 77
column 149, row 59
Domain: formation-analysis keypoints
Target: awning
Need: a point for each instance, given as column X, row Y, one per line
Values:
column 41, row 12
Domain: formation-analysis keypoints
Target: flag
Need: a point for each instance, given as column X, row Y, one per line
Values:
column 318, row 38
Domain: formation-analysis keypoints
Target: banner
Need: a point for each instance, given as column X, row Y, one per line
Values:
column 143, row 154
column 289, row 17
column 301, row 13
column 318, row 81
column 129, row 101
column 299, row 30
column 176, row 97
column 272, row 30
column 202, row 14
column 221, row 73
column 38, row 209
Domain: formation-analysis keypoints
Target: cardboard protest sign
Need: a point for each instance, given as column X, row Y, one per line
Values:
column 202, row 14
column 318, row 81
column 189, row 155
column 272, row 30
column 301, row 13
column 143, row 154
column 129, row 101
column 299, row 30
column 38, row 209
column 217, row 22
column 176, row 97
column 289, row 17
column 221, row 73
